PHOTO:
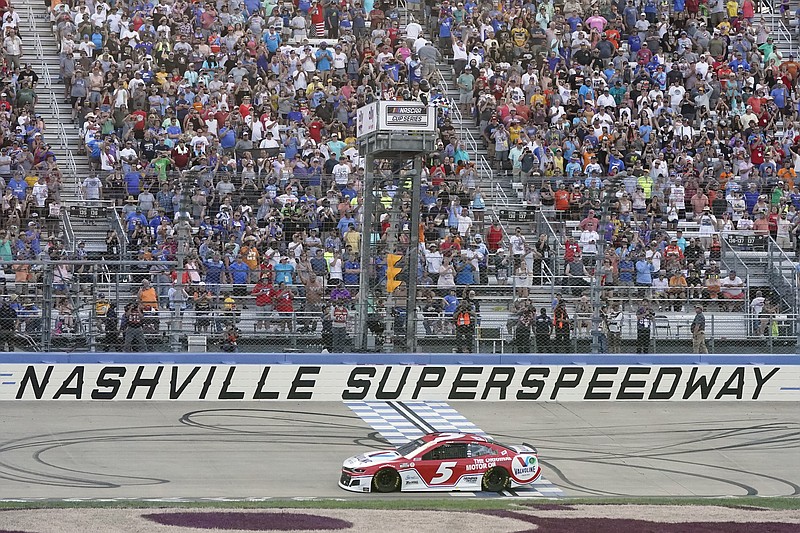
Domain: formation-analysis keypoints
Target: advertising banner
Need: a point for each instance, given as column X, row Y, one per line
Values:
column 398, row 382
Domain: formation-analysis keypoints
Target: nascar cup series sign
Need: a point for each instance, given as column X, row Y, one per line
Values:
column 398, row 382
column 395, row 116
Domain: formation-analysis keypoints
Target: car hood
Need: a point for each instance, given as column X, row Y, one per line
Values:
column 371, row 459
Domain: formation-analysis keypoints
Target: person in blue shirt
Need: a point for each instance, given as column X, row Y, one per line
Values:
column 779, row 94
column 324, row 58
column 464, row 272
column 574, row 166
column 573, row 20
column 135, row 218
column 450, row 303
column 644, row 272
column 273, row 40
column 19, row 187
column 227, row 138
column 214, row 270
column 751, row 197
column 157, row 221
column 445, row 33
column 739, row 62
column 283, row 271
column 352, row 270
column 349, row 192
column 132, row 181
column 240, row 272
column 345, row 223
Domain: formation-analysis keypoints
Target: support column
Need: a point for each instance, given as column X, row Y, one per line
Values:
column 413, row 257
column 368, row 214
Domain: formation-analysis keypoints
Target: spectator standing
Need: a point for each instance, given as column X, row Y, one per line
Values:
column 8, row 326
column 132, row 325
column 543, row 330
column 340, row 341
column 522, row 330
column 562, row 326
column 644, row 321
column 699, row 331
column 464, row 320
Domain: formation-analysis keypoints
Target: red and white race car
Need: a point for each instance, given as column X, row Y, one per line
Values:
column 443, row 462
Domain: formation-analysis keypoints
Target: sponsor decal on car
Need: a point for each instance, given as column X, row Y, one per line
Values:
column 525, row 467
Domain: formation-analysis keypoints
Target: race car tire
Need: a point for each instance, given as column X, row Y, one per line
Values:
column 386, row 480
column 495, row 480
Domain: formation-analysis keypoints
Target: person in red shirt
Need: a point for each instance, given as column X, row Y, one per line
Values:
column 315, row 129
column 263, row 293
column 139, row 118
column 494, row 238
column 283, row 299
column 180, row 154
column 244, row 108
column 571, row 248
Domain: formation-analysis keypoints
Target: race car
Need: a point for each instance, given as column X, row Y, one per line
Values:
column 443, row 462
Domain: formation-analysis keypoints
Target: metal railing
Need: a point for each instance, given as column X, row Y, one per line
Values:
column 47, row 79
column 465, row 135
column 67, row 292
column 783, row 274
column 69, row 232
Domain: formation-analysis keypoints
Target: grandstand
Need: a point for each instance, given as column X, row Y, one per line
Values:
column 199, row 158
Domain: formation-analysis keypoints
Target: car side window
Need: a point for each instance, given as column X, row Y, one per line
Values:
column 475, row 449
column 447, row 451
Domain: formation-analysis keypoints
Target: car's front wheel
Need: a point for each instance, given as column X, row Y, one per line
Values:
column 386, row 480
column 495, row 480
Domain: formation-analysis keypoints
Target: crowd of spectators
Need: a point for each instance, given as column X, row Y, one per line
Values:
column 633, row 119
column 637, row 120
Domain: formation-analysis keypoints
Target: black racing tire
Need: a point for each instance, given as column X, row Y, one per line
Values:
column 495, row 480
column 386, row 480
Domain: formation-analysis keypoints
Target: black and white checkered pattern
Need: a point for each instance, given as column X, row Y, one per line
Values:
column 400, row 422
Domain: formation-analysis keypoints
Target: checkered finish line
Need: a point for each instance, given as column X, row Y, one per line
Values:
column 401, row 422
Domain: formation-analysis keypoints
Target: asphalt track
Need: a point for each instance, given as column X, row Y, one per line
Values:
column 254, row 450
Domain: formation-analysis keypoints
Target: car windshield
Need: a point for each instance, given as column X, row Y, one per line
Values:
column 409, row 447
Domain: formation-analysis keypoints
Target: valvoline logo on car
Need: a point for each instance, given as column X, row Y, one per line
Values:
column 525, row 467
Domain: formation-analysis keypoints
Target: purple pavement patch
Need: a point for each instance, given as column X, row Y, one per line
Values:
column 262, row 521
column 619, row 525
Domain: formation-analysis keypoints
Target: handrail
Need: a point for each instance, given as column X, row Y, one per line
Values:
column 465, row 135
column 738, row 261
column 47, row 79
column 122, row 235
column 69, row 232
column 774, row 250
column 499, row 194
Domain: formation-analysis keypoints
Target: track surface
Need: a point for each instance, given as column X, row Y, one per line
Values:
column 224, row 450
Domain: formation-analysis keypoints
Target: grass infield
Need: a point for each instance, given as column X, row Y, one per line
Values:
column 438, row 504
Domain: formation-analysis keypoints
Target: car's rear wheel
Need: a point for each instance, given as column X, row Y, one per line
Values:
column 386, row 480
column 495, row 480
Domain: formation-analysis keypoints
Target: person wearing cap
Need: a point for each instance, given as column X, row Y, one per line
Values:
column 698, row 328
column 465, row 84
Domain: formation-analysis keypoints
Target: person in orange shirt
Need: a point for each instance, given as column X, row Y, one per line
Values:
column 561, row 197
column 148, row 299
column 787, row 174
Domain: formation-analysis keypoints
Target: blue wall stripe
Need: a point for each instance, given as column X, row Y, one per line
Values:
column 396, row 359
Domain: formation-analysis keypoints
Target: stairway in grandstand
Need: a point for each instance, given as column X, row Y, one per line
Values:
column 41, row 51
column 496, row 185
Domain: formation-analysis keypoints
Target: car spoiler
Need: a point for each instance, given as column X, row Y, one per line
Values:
column 532, row 447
